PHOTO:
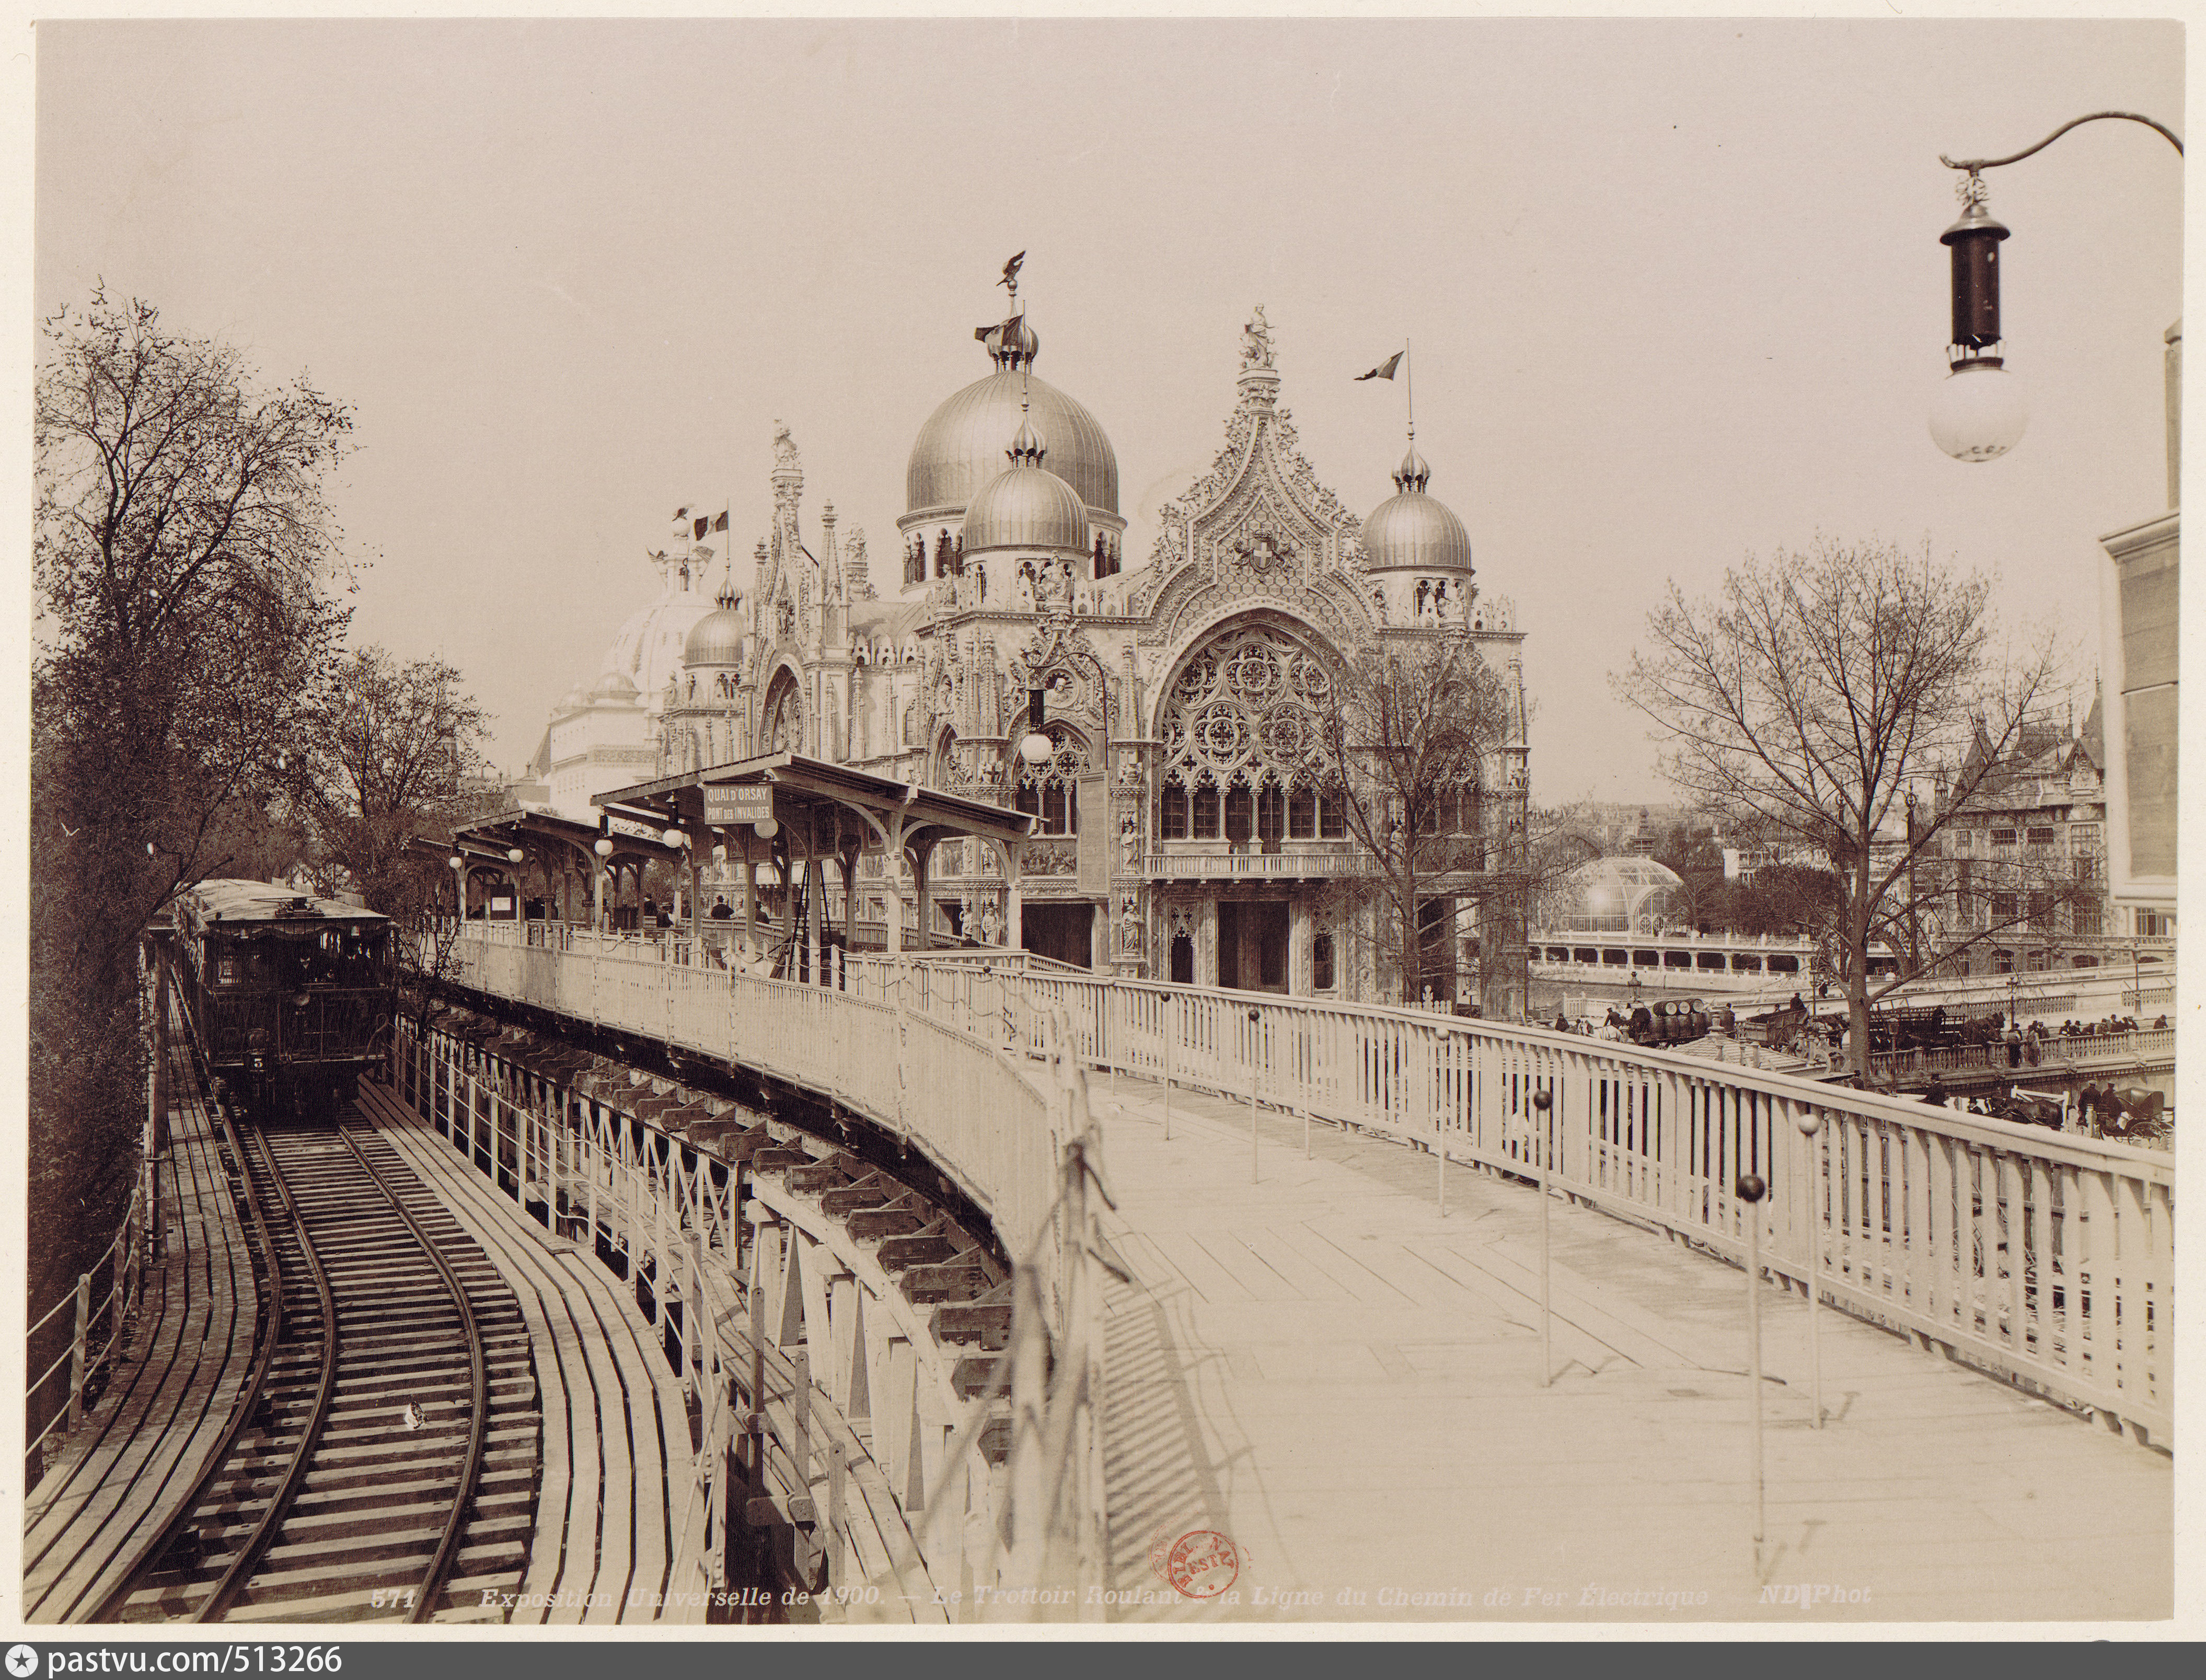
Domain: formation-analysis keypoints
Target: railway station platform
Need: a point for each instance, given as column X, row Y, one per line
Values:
column 1344, row 1381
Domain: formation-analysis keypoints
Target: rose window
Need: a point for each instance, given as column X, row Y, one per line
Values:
column 1242, row 726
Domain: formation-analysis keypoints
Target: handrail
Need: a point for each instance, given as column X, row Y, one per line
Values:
column 1894, row 1208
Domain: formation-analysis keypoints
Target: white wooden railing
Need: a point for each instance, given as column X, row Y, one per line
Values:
column 2045, row 1257
column 1013, row 1133
column 2058, row 1052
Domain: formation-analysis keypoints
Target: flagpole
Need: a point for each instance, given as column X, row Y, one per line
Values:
column 1410, row 386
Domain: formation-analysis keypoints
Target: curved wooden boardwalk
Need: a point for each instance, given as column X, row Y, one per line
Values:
column 617, row 1442
column 189, row 1350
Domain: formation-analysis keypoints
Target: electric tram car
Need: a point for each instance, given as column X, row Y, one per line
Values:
column 290, row 997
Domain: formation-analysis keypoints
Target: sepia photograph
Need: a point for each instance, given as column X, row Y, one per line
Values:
column 857, row 826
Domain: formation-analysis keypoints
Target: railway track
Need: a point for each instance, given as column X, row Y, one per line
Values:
column 382, row 1465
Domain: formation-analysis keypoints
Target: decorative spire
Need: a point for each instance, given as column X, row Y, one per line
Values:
column 1026, row 448
column 729, row 595
column 1413, row 473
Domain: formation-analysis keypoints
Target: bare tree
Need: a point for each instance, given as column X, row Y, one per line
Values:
column 1811, row 692
column 1411, row 752
column 180, row 540
column 380, row 756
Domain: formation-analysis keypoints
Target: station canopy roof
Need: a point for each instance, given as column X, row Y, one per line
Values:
column 793, row 790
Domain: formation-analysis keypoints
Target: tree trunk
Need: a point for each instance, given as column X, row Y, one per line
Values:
column 1857, row 968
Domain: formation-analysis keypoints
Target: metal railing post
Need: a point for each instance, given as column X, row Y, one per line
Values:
column 77, row 1348
column 1256, row 1030
column 1752, row 1189
column 1810, row 1123
column 1542, row 1102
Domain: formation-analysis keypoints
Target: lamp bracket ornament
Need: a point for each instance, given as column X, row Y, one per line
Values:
column 1974, row 164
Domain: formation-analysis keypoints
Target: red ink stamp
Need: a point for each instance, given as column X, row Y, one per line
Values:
column 1202, row 1563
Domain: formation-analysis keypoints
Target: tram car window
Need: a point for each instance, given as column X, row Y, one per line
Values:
column 289, row 999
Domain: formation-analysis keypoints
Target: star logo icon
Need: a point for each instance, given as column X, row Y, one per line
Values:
column 22, row 1661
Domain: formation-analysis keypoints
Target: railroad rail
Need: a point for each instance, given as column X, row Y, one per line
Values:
column 380, row 1463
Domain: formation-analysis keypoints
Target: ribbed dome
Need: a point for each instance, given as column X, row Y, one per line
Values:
column 1026, row 507
column 717, row 639
column 1411, row 530
column 613, row 685
column 647, row 650
column 961, row 447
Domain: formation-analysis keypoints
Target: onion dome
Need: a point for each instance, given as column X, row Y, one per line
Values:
column 1028, row 505
column 717, row 639
column 1411, row 530
column 960, row 448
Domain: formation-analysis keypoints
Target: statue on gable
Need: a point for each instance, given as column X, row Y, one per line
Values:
column 1256, row 343
column 784, row 447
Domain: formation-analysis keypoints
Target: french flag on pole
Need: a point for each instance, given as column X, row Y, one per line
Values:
column 1384, row 370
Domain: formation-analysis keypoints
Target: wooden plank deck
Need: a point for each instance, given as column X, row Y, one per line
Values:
column 616, row 1453
column 1323, row 1367
column 125, row 1470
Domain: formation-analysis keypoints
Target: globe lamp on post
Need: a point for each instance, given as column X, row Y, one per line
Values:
column 1036, row 747
column 765, row 828
column 602, row 846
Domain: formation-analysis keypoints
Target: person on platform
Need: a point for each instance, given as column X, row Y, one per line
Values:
column 722, row 910
column 2013, row 1046
column 1935, row 1094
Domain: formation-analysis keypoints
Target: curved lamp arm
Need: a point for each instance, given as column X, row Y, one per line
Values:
column 1973, row 164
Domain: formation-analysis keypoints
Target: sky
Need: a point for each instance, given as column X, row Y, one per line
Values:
column 1673, row 288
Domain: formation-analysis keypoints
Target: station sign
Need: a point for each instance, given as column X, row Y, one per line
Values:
column 729, row 803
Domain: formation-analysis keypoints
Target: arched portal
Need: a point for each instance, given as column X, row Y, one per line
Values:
column 781, row 721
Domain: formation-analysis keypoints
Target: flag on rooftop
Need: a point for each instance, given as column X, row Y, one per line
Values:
column 1384, row 370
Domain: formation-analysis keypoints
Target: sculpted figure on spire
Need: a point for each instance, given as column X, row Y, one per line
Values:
column 1256, row 342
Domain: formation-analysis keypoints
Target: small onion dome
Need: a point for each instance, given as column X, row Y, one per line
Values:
column 1027, row 507
column 1013, row 343
column 717, row 639
column 1411, row 530
column 574, row 697
column 614, row 685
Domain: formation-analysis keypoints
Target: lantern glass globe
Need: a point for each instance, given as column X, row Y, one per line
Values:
column 1979, row 412
column 1036, row 748
column 674, row 838
column 765, row 828
column 514, row 855
column 604, row 848
column 457, row 861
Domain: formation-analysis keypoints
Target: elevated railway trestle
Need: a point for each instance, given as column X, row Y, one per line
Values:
column 876, row 1386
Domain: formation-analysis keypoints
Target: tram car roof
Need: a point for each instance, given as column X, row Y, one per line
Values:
column 250, row 907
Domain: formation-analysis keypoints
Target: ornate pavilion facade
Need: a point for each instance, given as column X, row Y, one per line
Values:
column 1182, row 832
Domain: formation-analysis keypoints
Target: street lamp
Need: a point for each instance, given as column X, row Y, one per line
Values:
column 602, row 846
column 1979, row 412
column 514, row 854
column 1036, row 747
